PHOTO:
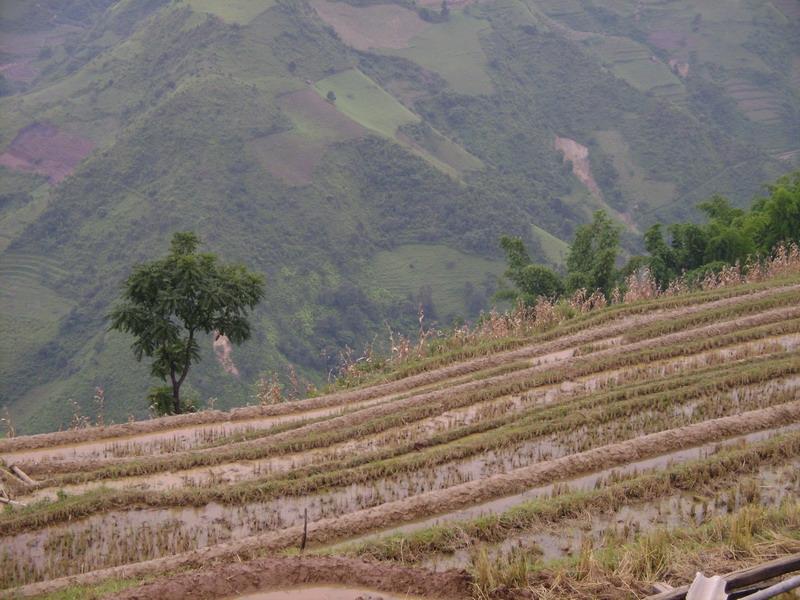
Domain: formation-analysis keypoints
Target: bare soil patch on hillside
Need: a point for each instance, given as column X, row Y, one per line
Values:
column 378, row 26
column 43, row 148
column 578, row 155
column 293, row 155
column 307, row 104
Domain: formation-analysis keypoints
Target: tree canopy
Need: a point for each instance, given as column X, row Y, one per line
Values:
column 167, row 303
column 593, row 255
column 590, row 264
column 729, row 235
column 531, row 280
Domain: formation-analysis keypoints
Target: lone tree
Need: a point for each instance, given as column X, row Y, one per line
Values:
column 166, row 304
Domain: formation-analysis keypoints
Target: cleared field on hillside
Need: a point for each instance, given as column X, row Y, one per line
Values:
column 378, row 26
column 364, row 101
column 635, row 64
column 453, row 50
column 232, row 11
column 406, row 269
column 666, row 427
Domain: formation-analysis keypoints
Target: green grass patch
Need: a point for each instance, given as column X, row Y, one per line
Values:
column 232, row 11
column 406, row 269
column 364, row 101
column 633, row 178
column 101, row 590
column 453, row 50
column 555, row 249
column 632, row 62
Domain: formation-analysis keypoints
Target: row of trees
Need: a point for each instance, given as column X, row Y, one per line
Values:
column 729, row 235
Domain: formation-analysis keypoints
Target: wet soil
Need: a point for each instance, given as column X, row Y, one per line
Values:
column 586, row 482
column 237, row 579
column 460, row 496
column 769, row 487
column 118, row 537
column 323, row 593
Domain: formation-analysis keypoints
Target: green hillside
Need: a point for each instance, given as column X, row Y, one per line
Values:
column 126, row 120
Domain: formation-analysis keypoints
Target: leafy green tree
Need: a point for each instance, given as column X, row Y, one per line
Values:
column 718, row 209
column 776, row 218
column 689, row 242
column 531, row 280
column 731, row 234
column 591, row 262
column 167, row 303
column 662, row 258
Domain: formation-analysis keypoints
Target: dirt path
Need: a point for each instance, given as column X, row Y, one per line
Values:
column 448, row 500
column 443, row 398
column 171, row 425
column 224, row 581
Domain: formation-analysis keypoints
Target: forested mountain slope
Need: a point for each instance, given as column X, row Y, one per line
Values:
column 365, row 156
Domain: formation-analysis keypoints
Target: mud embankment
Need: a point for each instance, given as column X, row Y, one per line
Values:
column 241, row 578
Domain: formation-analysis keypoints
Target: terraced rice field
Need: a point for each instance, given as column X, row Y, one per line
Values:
column 624, row 446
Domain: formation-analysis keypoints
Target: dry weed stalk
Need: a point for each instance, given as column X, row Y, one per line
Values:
column 78, row 421
column 100, row 404
column 784, row 260
column 269, row 390
column 640, row 285
column 294, row 383
column 8, row 423
column 584, row 302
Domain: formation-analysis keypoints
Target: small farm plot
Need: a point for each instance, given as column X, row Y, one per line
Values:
column 293, row 155
column 634, row 63
column 410, row 268
column 453, row 50
column 671, row 423
column 365, row 102
column 232, row 11
column 372, row 26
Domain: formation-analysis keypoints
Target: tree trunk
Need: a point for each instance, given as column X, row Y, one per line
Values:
column 176, row 383
column 176, row 392
column 176, row 397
